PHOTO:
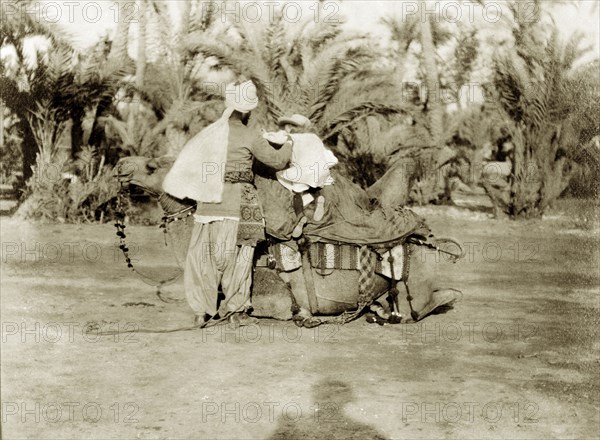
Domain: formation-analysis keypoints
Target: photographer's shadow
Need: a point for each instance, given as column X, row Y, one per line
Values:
column 325, row 419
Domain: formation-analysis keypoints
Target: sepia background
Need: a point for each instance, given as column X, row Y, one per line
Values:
column 482, row 117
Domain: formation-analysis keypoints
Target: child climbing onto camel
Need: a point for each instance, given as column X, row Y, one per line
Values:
column 309, row 168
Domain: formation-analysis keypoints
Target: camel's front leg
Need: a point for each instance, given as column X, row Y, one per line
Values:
column 424, row 290
column 302, row 315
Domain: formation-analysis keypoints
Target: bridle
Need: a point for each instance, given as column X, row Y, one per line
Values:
column 166, row 220
column 177, row 211
column 166, row 202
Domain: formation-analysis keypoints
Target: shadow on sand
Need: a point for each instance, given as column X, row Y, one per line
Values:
column 325, row 418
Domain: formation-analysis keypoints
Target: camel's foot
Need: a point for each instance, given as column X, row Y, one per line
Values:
column 393, row 318
column 380, row 311
column 242, row 319
column 439, row 298
column 200, row 320
column 304, row 319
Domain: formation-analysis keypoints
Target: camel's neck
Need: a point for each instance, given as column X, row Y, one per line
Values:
column 172, row 205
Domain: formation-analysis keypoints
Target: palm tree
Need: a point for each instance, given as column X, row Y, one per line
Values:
column 316, row 69
column 403, row 32
column 428, row 35
column 537, row 91
column 434, row 105
column 117, row 58
column 24, row 85
column 140, row 61
column 72, row 83
column 170, row 103
column 118, row 50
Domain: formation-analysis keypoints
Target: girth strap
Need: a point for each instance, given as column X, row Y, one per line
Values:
column 366, row 272
column 310, row 283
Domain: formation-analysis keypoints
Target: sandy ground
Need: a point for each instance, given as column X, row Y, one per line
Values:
column 518, row 357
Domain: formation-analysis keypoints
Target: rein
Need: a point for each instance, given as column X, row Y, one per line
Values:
column 175, row 211
column 454, row 257
column 168, row 204
column 120, row 225
column 208, row 324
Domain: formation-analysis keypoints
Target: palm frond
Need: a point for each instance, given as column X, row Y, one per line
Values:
column 355, row 114
column 350, row 62
column 324, row 33
column 275, row 50
column 402, row 31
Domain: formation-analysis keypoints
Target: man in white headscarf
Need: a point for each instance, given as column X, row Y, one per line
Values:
column 215, row 169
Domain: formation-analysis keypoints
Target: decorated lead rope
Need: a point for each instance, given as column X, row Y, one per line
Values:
column 120, row 225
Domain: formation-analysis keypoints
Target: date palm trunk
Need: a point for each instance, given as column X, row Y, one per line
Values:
column 29, row 148
column 435, row 108
column 76, row 131
column 185, row 18
column 118, row 50
column 140, row 64
column 118, row 54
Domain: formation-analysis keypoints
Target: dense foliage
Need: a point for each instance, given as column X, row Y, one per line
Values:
column 78, row 113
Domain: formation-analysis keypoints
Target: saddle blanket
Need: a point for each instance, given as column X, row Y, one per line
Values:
column 324, row 256
column 329, row 256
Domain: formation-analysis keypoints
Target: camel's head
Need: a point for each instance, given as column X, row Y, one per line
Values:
column 148, row 174
column 144, row 172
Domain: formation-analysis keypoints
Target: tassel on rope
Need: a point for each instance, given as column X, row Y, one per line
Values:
column 120, row 225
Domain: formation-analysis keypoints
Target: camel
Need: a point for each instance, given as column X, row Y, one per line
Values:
column 316, row 288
